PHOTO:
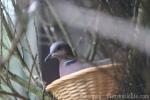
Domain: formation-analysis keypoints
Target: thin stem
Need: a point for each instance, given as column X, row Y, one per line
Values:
column 60, row 25
column 13, row 94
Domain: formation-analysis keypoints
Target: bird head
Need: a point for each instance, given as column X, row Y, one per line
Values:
column 59, row 50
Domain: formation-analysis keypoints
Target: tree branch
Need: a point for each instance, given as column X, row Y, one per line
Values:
column 13, row 94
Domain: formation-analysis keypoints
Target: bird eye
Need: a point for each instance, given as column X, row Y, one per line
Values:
column 59, row 48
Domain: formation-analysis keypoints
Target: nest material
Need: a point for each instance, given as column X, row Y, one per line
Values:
column 94, row 83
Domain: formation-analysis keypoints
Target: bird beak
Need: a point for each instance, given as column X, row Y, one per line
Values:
column 47, row 57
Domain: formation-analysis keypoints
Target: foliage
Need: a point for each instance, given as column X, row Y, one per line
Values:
column 28, row 28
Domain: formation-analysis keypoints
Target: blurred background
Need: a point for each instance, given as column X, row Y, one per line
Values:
column 95, row 30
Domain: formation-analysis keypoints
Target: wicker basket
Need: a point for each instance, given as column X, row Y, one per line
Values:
column 94, row 83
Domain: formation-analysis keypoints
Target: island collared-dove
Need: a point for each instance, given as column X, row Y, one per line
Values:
column 67, row 62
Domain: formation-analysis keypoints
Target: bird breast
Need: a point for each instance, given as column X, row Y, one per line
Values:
column 68, row 69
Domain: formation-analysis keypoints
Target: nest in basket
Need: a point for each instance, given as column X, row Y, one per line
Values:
column 90, row 83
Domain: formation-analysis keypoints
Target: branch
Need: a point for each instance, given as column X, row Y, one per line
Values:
column 13, row 94
column 24, row 83
column 22, row 25
column 93, row 48
column 50, row 7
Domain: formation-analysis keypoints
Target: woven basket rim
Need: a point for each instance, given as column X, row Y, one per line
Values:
column 78, row 74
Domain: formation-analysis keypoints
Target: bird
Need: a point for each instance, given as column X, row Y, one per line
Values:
column 68, row 63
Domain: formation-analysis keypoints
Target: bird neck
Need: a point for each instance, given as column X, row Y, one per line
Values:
column 67, row 61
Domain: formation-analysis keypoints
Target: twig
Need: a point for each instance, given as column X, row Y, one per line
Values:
column 60, row 25
column 47, row 34
column 13, row 94
column 21, row 29
column 135, row 11
column 22, row 82
column 9, row 31
column 37, row 68
column 8, row 16
column 7, row 28
column 94, row 36
column 8, row 83
column 31, row 72
column 33, row 58
column 1, row 35
column 93, row 48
